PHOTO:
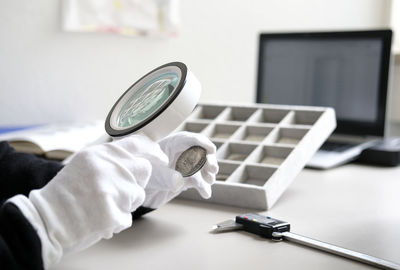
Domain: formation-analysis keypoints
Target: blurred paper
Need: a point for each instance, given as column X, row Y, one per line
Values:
column 125, row 17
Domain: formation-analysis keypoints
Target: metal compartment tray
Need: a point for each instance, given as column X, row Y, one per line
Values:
column 260, row 148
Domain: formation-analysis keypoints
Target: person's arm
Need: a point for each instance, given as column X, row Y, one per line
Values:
column 100, row 187
column 20, row 246
column 21, row 172
column 91, row 198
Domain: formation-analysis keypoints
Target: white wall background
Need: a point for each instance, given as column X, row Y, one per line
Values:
column 47, row 75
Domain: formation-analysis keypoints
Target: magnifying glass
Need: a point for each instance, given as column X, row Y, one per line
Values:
column 156, row 105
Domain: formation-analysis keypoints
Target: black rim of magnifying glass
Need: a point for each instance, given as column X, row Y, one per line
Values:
column 122, row 132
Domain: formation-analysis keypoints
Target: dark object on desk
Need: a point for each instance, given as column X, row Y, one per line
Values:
column 385, row 153
column 22, row 172
column 336, row 146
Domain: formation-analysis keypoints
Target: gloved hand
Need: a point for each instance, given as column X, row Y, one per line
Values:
column 166, row 183
column 92, row 197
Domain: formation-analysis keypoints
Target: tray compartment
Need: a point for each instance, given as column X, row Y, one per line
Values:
column 208, row 112
column 270, row 116
column 235, row 151
column 217, row 144
column 253, row 133
column 194, row 127
column 304, row 118
column 271, row 155
column 239, row 114
column 225, row 170
column 289, row 136
column 222, row 131
column 253, row 174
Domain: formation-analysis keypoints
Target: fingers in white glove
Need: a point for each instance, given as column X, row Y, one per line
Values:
column 177, row 143
column 164, row 178
column 117, row 162
column 196, row 181
column 162, row 189
column 142, row 146
column 165, row 183
column 210, row 169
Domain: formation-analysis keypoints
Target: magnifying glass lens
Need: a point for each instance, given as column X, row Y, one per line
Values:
column 147, row 99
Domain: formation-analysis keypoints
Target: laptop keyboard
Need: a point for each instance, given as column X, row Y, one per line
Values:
column 337, row 146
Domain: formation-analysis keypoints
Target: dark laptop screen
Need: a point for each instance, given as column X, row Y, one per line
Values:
column 344, row 70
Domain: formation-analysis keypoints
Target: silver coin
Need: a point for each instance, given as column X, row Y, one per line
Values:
column 191, row 160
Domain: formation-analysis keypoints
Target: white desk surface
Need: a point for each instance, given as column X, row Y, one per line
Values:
column 353, row 206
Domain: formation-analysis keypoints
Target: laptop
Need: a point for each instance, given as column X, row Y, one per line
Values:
column 346, row 70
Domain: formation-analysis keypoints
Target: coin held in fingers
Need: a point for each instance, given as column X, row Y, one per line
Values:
column 191, row 161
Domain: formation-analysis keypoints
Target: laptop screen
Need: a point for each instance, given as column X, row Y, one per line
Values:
column 344, row 70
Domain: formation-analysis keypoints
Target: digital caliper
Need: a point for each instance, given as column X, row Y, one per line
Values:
column 279, row 230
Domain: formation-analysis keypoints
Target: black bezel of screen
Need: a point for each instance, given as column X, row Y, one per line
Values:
column 344, row 126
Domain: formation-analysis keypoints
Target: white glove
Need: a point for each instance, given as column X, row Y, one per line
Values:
column 92, row 197
column 166, row 183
